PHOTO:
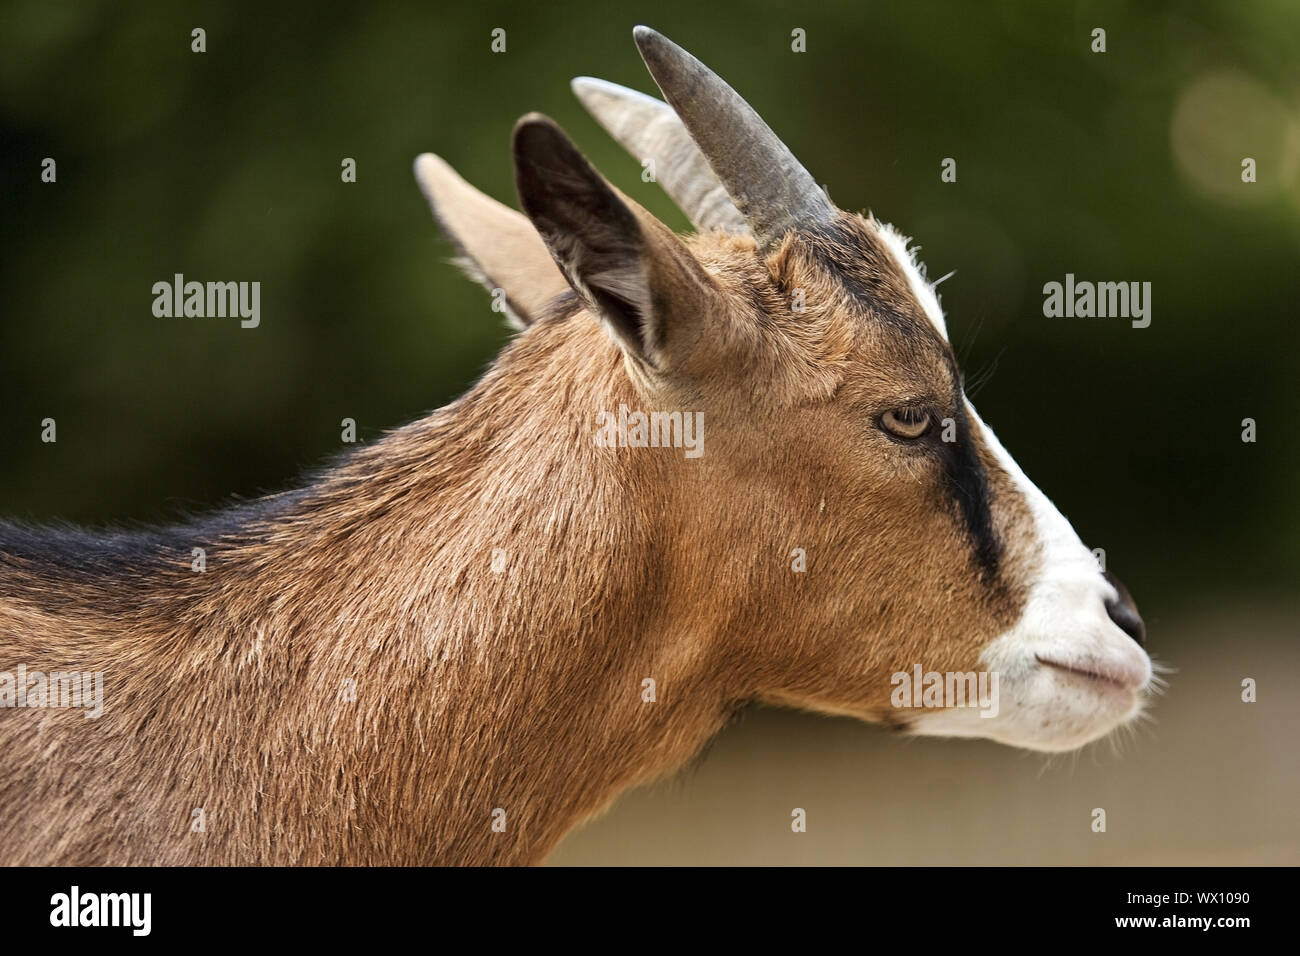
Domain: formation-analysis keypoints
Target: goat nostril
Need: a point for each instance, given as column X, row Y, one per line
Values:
column 1124, row 612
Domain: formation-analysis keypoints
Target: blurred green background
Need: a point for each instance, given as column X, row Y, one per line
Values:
column 225, row 165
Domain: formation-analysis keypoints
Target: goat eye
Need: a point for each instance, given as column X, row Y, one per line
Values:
column 906, row 422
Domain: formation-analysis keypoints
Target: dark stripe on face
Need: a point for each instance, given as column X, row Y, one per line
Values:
column 869, row 274
column 968, row 484
column 863, row 268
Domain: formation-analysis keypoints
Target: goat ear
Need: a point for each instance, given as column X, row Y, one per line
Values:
column 497, row 246
column 628, row 267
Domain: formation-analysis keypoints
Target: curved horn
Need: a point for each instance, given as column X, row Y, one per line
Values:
column 649, row 129
column 771, row 189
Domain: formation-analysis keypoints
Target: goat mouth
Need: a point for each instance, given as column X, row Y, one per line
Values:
column 1116, row 681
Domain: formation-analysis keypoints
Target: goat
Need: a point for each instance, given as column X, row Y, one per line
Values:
column 460, row 641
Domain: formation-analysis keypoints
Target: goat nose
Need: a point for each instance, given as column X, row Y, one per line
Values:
column 1123, row 611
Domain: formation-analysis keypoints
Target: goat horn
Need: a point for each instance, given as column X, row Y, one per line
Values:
column 771, row 189
column 649, row 129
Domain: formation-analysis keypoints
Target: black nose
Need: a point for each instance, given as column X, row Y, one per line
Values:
column 1123, row 611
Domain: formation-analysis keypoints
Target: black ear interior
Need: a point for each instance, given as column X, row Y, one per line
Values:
column 624, row 315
